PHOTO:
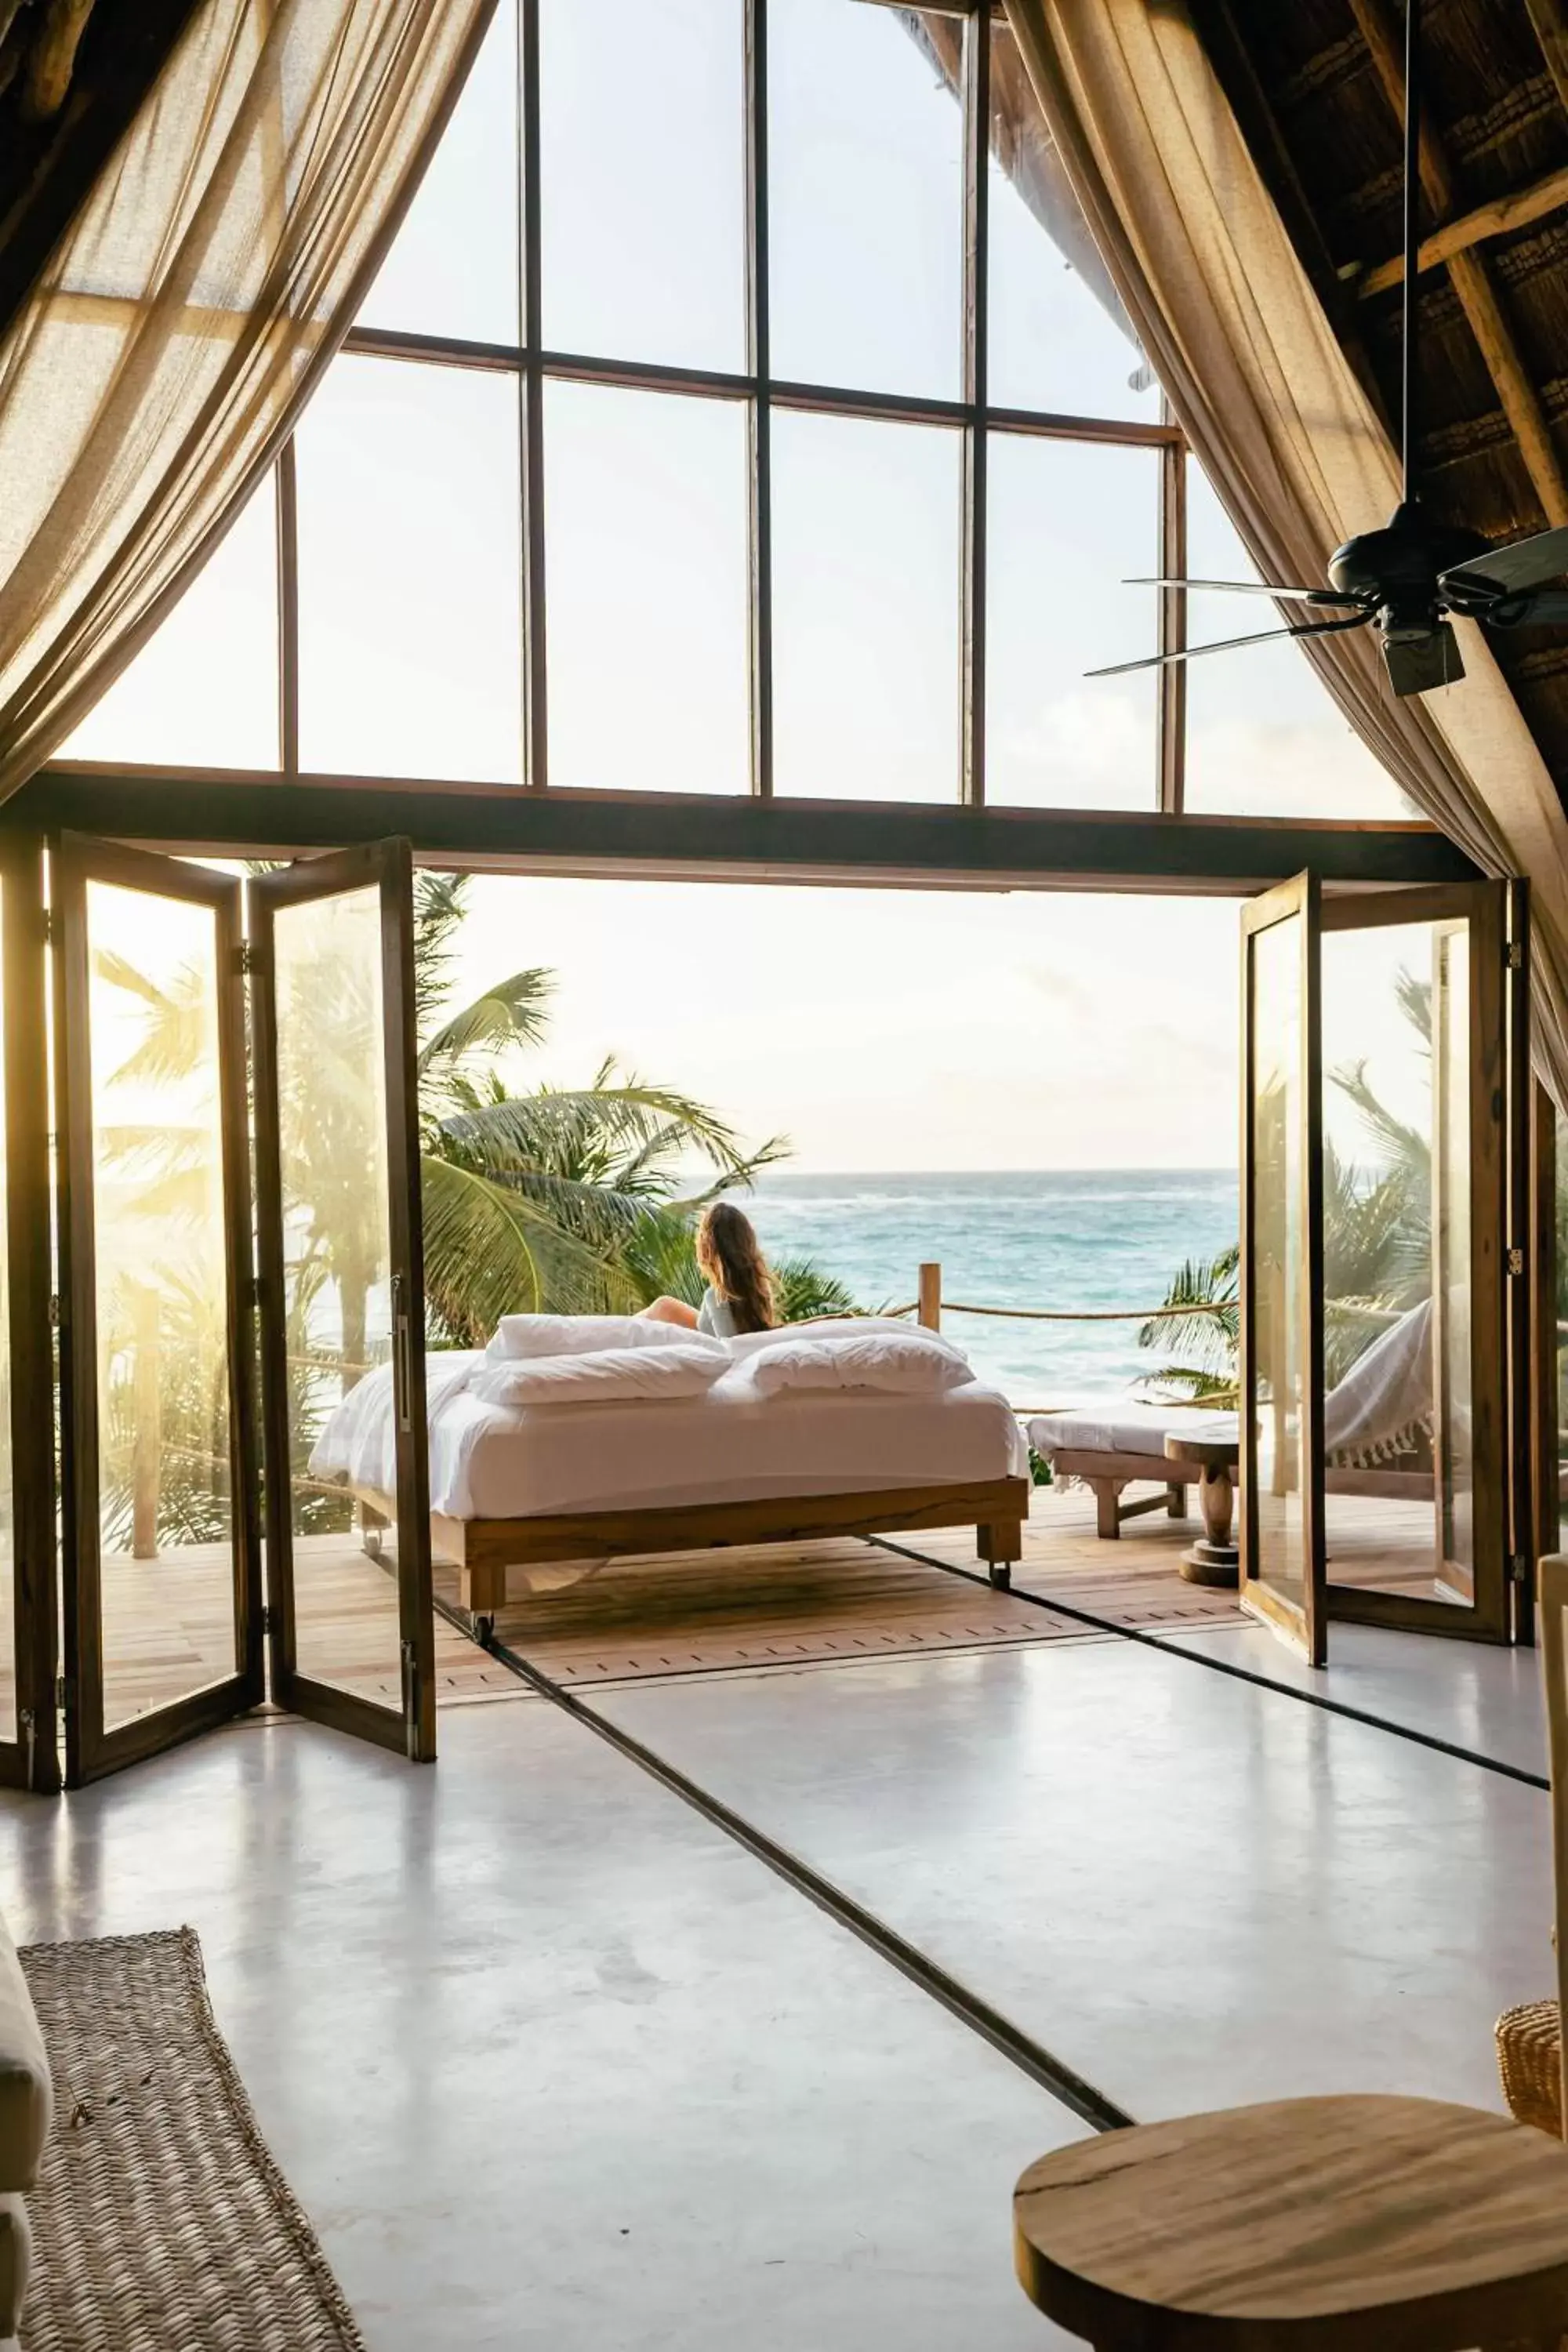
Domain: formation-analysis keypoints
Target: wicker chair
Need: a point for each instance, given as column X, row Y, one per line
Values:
column 1529, row 2038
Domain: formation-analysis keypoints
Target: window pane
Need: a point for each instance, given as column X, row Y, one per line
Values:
column 866, row 609
column 646, row 512
column 410, row 571
column 1059, row 337
column 1066, row 522
column 337, row 1274
column 7, row 1464
column 865, row 202
column 453, row 267
column 165, row 1505
column 1265, row 737
column 642, row 136
column 202, row 692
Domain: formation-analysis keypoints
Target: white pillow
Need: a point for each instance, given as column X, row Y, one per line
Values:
column 579, row 1335
column 838, row 1329
column 606, row 1376
column 895, row 1362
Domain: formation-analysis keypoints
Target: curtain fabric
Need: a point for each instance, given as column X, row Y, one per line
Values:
column 1297, row 457
column 184, row 321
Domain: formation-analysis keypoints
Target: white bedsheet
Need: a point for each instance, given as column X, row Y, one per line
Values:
column 1123, row 1426
column 729, row 1445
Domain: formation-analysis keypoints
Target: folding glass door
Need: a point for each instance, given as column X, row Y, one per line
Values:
column 198, row 1016
column 343, row 1289
column 161, row 1550
column 1383, row 1477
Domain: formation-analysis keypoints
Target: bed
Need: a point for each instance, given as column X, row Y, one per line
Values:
column 522, row 1487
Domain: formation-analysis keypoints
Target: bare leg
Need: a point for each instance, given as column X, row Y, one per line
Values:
column 670, row 1310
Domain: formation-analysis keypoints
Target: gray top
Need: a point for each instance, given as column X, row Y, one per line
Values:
column 717, row 1316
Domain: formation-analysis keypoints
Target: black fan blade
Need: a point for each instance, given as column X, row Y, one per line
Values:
column 1224, row 644
column 1256, row 588
column 1417, row 668
column 1547, row 606
column 1526, row 564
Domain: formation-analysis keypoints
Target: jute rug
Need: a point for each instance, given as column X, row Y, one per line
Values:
column 161, row 2223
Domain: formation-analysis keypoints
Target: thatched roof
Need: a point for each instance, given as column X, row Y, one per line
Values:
column 1317, row 86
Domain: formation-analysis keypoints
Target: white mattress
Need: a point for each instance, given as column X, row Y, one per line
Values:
column 729, row 1445
column 1120, row 1426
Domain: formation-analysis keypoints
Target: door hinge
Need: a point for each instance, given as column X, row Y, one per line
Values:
column 62, row 1695
column 1519, row 1567
column 1516, row 955
column 247, row 957
column 57, row 1312
column 1516, row 1261
column 268, row 1618
column 250, row 1292
column 48, row 926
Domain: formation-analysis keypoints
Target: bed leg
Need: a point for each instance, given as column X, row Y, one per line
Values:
column 999, row 1543
column 1175, row 1502
column 371, row 1525
column 1107, row 1518
column 481, row 1589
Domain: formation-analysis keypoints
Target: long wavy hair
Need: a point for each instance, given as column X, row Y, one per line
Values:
column 731, row 1256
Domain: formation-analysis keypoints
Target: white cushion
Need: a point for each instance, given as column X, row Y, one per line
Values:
column 897, row 1362
column 607, row 1376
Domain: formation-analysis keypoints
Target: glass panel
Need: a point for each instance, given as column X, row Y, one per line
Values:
column 1278, row 1248
column 331, row 1116
column 8, row 1498
column 453, row 267
column 866, row 608
column 1059, row 337
column 202, row 691
column 642, row 138
column 865, row 200
column 166, row 1513
column 645, row 510
column 1265, row 737
column 1380, row 1191
column 1067, row 523
column 410, row 574
column 1451, row 1211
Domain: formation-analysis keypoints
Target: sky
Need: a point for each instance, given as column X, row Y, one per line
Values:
column 1017, row 1031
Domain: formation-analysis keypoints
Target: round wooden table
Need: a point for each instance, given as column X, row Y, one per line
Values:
column 1310, row 2225
column 1214, row 1558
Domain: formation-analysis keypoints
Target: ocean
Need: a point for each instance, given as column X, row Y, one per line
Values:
column 1098, row 1238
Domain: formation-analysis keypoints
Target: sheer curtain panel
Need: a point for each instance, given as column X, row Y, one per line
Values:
column 181, row 324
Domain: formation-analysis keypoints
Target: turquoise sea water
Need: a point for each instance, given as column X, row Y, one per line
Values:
column 1100, row 1238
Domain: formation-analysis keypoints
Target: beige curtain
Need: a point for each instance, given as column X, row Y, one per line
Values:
column 1236, row 335
column 182, row 323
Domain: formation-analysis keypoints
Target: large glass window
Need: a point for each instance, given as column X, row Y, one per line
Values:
column 743, row 391
column 410, row 574
column 645, row 509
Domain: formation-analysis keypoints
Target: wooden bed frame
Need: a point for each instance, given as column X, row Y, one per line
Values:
column 1107, row 1473
column 483, row 1549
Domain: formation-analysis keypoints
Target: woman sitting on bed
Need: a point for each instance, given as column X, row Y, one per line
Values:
column 739, row 1293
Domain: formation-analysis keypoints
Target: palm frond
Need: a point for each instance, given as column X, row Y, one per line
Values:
column 513, row 1012
column 490, row 1251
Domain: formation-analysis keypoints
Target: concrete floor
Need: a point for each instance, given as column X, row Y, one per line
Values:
column 551, row 2062
column 1195, row 1892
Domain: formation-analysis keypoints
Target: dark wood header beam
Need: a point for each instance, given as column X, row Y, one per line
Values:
column 501, row 828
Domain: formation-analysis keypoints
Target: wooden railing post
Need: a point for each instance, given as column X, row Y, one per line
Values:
column 931, row 1297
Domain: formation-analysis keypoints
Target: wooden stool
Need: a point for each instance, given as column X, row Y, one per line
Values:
column 1216, row 1560
column 1310, row 2225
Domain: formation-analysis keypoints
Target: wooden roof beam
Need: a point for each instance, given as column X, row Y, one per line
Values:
column 1494, row 219
column 1550, row 21
column 1472, row 282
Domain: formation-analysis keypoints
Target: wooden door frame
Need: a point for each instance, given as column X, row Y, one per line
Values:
column 91, row 1751
column 388, row 867
column 1306, row 1627
column 32, row 1759
column 1486, row 907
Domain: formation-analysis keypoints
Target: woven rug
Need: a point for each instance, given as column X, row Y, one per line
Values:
column 161, row 2221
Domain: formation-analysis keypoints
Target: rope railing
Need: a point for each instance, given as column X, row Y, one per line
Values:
column 1065, row 1314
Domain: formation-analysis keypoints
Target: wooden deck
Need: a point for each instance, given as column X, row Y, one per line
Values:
column 167, row 1622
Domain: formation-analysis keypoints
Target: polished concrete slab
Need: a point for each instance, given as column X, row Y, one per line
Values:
column 548, row 2059
column 1479, row 1696
column 1194, row 1891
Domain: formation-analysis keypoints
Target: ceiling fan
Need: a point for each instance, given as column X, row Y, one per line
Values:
column 1404, row 578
